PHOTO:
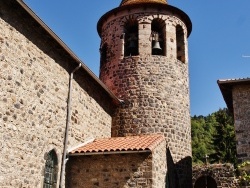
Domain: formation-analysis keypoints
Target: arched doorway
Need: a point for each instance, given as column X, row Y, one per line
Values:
column 205, row 182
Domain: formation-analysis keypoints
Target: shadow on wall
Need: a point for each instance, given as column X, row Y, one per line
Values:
column 180, row 174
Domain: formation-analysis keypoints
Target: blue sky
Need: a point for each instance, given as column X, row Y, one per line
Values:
column 220, row 36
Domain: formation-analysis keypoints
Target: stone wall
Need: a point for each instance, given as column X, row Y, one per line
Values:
column 241, row 105
column 159, row 166
column 112, row 171
column 34, row 86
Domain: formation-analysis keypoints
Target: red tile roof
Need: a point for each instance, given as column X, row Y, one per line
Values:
column 120, row 144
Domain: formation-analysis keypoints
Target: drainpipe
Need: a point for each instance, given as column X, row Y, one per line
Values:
column 64, row 160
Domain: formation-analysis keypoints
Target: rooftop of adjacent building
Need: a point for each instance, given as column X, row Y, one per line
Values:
column 226, row 87
column 130, row 144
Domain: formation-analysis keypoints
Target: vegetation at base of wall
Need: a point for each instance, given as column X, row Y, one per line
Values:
column 214, row 135
column 243, row 171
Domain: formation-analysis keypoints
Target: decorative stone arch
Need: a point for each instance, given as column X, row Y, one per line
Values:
column 174, row 21
column 221, row 174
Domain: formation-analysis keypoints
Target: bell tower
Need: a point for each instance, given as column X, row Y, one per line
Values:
column 144, row 62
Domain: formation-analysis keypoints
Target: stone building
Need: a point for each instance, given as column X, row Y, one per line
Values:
column 236, row 93
column 60, row 123
column 42, row 95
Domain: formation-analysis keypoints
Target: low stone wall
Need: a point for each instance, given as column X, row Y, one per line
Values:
column 116, row 170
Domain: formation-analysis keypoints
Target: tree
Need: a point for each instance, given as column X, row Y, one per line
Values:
column 201, row 138
column 224, row 139
column 213, row 135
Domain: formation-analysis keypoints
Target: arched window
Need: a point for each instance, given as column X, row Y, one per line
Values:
column 180, row 44
column 158, row 37
column 51, row 168
column 131, row 38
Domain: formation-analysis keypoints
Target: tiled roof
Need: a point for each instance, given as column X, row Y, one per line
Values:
column 129, row 2
column 120, row 144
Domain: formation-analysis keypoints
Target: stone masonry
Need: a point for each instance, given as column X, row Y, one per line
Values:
column 241, row 102
column 110, row 171
column 236, row 93
column 34, row 86
column 36, row 68
column 154, row 88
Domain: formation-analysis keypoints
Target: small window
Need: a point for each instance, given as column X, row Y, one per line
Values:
column 51, row 168
column 103, row 52
column 180, row 44
column 131, row 38
column 158, row 37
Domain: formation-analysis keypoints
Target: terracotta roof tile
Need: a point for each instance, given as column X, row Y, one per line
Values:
column 116, row 144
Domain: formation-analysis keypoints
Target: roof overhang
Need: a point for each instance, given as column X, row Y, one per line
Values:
column 119, row 145
column 111, row 152
column 226, row 87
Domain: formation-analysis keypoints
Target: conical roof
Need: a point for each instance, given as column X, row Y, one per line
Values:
column 129, row 2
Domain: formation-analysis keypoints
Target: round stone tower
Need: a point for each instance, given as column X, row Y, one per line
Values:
column 144, row 61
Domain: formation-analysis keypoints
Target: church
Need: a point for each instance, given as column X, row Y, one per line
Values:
column 61, row 126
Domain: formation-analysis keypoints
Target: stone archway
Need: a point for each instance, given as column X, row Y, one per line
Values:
column 205, row 182
column 216, row 175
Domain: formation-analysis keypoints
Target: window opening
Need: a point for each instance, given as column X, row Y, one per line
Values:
column 180, row 45
column 50, row 174
column 131, row 38
column 158, row 37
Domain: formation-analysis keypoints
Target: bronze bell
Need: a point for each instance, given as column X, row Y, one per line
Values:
column 156, row 45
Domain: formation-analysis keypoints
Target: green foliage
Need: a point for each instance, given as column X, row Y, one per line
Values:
column 213, row 135
column 244, row 173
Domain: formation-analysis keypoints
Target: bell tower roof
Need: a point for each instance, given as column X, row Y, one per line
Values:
column 129, row 2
